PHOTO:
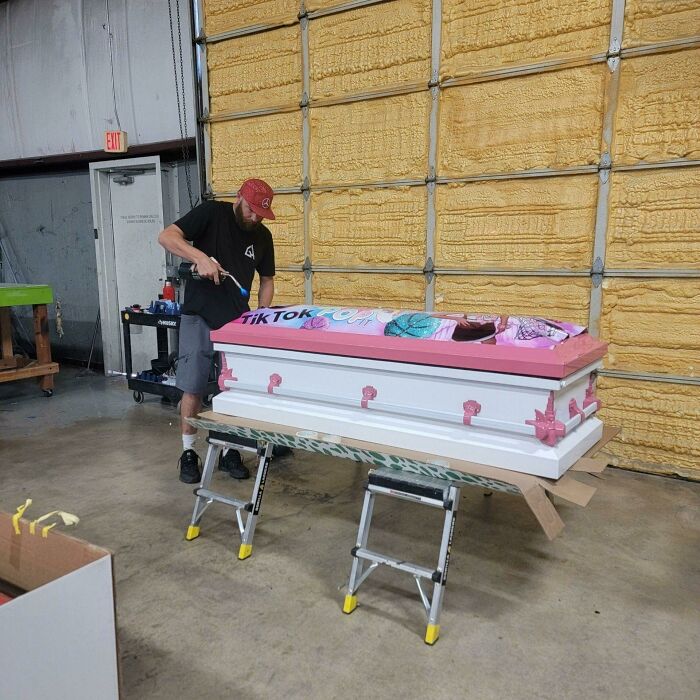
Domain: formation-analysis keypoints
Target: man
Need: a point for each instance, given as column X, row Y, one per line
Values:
column 230, row 238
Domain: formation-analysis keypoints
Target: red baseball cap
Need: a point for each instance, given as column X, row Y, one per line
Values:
column 259, row 196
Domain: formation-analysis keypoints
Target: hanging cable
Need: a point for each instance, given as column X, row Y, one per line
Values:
column 108, row 27
column 180, row 93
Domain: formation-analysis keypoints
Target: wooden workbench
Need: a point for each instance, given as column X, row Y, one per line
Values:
column 15, row 368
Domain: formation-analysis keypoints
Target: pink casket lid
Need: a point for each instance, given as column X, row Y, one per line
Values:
column 556, row 362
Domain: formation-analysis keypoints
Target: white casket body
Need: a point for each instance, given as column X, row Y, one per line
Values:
column 523, row 409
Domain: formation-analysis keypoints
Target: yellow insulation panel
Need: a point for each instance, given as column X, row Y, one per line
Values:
column 654, row 219
column 658, row 113
column 289, row 289
column 548, row 120
column 652, row 325
column 517, row 224
column 287, row 229
column 224, row 15
column 652, row 21
column 313, row 5
column 365, row 289
column 247, row 73
column 480, row 35
column 378, row 227
column 267, row 147
column 370, row 48
column 563, row 298
column 660, row 425
column 370, row 141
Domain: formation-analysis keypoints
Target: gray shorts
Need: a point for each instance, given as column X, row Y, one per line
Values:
column 195, row 356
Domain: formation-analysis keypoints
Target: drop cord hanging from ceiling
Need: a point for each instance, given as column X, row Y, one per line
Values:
column 180, row 94
column 108, row 27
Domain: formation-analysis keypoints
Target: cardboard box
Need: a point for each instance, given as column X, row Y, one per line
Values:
column 58, row 635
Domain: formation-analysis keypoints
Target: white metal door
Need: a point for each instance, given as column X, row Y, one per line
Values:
column 128, row 215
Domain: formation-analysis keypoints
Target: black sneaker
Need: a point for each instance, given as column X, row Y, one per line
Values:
column 190, row 466
column 232, row 464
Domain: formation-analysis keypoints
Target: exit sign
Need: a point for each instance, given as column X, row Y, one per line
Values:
column 115, row 141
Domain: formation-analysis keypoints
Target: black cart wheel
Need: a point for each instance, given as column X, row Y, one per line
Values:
column 48, row 393
column 138, row 396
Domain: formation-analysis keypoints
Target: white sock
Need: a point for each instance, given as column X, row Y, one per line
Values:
column 188, row 441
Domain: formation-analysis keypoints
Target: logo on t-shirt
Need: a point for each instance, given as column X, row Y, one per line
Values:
column 250, row 252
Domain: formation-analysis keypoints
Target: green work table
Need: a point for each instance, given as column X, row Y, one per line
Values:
column 14, row 368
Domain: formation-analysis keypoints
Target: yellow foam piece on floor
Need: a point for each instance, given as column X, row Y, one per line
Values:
column 367, row 289
column 654, row 219
column 223, row 15
column 268, row 147
column 370, row 48
column 482, row 35
column 660, row 425
column 370, row 141
column 379, row 227
column 192, row 532
column 245, row 551
column 519, row 224
column 549, row 120
column 652, row 21
column 658, row 109
column 652, row 325
column 349, row 604
column 562, row 297
column 246, row 73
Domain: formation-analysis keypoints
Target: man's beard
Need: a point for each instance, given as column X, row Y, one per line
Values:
column 242, row 223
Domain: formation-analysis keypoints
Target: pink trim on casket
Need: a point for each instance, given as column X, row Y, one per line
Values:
column 547, row 428
column 574, row 410
column 226, row 374
column 369, row 393
column 556, row 362
column 275, row 380
column 591, row 398
column 471, row 408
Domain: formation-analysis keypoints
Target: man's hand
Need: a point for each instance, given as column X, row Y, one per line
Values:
column 210, row 269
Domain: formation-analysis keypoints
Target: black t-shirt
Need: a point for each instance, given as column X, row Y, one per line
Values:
column 213, row 229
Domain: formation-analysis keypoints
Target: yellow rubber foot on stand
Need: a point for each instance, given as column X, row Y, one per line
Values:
column 350, row 604
column 432, row 634
column 245, row 551
column 192, row 532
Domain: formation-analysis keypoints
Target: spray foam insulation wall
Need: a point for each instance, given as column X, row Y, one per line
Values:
column 268, row 146
column 370, row 141
column 246, row 73
column 652, row 325
column 654, row 219
column 660, row 425
column 562, row 297
column 289, row 289
column 224, row 15
column 287, row 229
column 519, row 224
column 651, row 21
column 658, row 115
column 370, row 48
column 549, row 120
column 378, row 227
column 364, row 289
column 482, row 34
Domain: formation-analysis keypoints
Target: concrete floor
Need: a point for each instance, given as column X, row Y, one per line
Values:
column 608, row 610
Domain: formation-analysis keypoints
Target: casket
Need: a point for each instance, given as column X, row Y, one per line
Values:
column 504, row 391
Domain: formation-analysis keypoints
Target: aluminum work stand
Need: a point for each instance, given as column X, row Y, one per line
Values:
column 205, row 496
column 429, row 491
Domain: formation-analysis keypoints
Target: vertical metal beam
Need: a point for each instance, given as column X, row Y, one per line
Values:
column 201, row 101
column 431, row 215
column 605, row 173
column 305, row 156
